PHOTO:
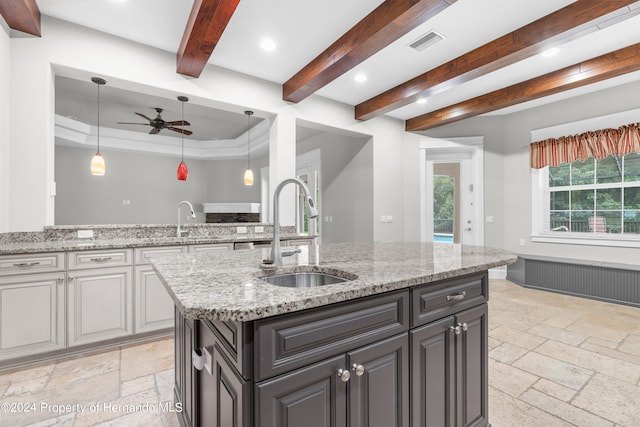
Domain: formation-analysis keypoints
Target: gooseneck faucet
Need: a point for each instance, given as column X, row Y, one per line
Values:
column 312, row 212
column 191, row 213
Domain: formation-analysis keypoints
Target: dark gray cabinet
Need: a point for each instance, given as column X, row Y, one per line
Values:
column 185, row 374
column 415, row 357
column 367, row 387
column 449, row 371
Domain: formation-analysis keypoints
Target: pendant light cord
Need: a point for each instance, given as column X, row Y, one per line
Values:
column 98, row 118
column 249, row 144
column 182, row 134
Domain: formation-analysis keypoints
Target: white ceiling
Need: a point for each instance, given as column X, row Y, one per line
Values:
column 303, row 29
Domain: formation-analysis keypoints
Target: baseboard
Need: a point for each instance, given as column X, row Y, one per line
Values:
column 615, row 283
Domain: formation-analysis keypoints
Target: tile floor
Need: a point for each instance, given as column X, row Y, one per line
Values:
column 554, row 360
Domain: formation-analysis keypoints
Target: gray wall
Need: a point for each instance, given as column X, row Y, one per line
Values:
column 148, row 181
column 347, row 186
column 508, row 177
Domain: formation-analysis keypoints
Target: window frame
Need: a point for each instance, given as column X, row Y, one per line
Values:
column 541, row 212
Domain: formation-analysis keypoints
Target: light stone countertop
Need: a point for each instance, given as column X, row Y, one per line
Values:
column 28, row 247
column 227, row 285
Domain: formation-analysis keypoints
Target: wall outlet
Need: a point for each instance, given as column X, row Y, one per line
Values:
column 241, row 230
column 489, row 219
column 522, row 242
column 85, row 234
column 258, row 229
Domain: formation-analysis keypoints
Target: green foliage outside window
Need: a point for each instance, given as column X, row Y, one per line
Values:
column 596, row 195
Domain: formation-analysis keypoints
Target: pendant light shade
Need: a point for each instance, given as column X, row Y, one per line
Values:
column 248, row 174
column 248, row 177
column 98, row 166
column 183, row 170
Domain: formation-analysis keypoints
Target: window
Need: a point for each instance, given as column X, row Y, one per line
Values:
column 595, row 199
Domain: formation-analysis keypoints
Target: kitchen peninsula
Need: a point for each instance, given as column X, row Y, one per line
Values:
column 403, row 340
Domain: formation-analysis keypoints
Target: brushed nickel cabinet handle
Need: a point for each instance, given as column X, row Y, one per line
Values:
column 26, row 264
column 456, row 329
column 102, row 259
column 457, row 296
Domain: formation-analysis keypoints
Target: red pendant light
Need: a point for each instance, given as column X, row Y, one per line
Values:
column 98, row 167
column 183, row 171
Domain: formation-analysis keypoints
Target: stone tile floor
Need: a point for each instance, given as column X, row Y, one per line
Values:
column 554, row 360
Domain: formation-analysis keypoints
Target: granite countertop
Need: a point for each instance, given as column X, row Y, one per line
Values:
column 26, row 247
column 227, row 285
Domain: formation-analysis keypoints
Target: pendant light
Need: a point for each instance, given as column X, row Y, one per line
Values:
column 248, row 174
column 98, row 166
column 183, row 171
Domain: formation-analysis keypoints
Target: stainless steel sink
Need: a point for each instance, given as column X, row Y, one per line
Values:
column 303, row 279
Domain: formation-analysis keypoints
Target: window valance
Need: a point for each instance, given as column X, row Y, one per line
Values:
column 598, row 144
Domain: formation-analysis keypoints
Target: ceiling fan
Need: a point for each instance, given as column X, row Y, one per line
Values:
column 158, row 124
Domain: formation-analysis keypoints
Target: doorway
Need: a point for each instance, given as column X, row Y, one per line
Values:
column 451, row 190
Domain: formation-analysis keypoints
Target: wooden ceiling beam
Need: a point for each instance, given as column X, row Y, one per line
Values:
column 604, row 67
column 559, row 27
column 205, row 26
column 384, row 25
column 21, row 15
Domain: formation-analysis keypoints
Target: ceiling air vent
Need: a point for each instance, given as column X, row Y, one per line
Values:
column 426, row 40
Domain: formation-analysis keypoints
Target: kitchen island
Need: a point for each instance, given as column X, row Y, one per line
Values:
column 402, row 342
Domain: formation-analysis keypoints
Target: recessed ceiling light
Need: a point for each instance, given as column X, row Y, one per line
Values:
column 360, row 77
column 550, row 52
column 268, row 45
column 421, row 100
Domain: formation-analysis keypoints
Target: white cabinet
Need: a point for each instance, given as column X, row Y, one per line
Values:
column 153, row 305
column 32, row 315
column 99, row 295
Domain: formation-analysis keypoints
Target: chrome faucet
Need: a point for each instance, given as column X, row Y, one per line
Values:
column 312, row 212
column 179, row 232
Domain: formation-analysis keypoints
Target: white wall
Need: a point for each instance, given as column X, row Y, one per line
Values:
column 346, row 178
column 5, row 121
column 77, row 52
column 508, row 177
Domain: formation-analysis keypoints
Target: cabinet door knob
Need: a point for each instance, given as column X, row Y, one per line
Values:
column 344, row 375
column 464, row 326
column 71, row 278
column 358, row 369
column 456, row 329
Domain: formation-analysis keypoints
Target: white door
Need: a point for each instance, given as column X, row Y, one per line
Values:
column 451, row 187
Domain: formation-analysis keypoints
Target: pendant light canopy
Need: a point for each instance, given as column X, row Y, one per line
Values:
column 183, row 171
column 98, row 167
column 248, row 174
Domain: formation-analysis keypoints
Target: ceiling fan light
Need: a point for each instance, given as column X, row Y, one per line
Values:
column 98, row 167
column 183, row 171
column 248, row 177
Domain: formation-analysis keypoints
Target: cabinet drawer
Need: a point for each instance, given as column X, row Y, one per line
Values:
column 143, row 255
column 31, row 263
column 93, row 259
column 215, row 247
column 435, row 301
column 294, row 340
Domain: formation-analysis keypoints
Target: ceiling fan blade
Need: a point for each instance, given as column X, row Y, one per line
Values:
column 127, row 123
column 142, row 115
column 182, row 131
column 178, row 123
column 154, row 131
